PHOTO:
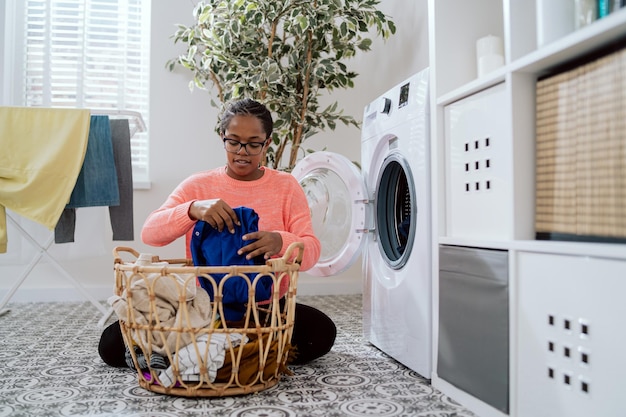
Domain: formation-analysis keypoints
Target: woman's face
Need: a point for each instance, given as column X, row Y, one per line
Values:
column 245, row 129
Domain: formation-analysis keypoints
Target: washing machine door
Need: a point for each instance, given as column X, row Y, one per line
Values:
column 396, row 210
column 337, row 196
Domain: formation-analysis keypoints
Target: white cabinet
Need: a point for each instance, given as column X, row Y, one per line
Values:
column 570, row 335
column 491, row 205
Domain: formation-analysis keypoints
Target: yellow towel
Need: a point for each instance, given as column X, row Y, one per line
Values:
column 41, row 154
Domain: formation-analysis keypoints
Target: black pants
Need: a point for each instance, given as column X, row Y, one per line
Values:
column 313, row 336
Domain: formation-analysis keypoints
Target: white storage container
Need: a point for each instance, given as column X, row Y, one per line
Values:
column 478, row 166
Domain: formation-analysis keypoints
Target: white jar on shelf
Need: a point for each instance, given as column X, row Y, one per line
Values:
column 489, row 54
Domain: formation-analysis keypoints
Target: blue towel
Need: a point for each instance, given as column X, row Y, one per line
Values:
column 97, row 181
column 209, row 247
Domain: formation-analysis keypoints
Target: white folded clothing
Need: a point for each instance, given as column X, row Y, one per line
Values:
column 187, row 358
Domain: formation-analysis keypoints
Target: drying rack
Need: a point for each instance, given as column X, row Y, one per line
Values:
column 139, row 126
column 42, row 249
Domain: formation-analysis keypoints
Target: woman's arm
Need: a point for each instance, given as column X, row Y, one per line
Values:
column 170, row 221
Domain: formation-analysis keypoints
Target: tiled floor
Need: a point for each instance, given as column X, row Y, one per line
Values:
column 50, row 367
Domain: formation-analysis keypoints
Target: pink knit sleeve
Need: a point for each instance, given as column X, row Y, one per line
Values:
column 171, row 220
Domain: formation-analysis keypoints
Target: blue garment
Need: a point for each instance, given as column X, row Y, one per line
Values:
column 209, row 247
column 97, row 181
column 121, row 215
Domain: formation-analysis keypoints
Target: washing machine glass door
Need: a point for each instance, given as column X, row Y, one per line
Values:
column 396, row 210
column 337, row 198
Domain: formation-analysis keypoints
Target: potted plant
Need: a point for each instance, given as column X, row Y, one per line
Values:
column 284, row 53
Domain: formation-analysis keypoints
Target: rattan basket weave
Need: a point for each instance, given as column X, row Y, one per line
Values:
column 581, row 152
column 160, row 306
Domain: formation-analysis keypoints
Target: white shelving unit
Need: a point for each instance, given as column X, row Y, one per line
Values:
column 565, row 298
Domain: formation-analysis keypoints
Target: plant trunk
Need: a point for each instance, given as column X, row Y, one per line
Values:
column 216, row 82
column 297, row 137
column 280, row 150
column 270, row 43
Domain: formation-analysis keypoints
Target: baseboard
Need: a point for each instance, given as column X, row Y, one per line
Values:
column 57, row 294
column 472, row 403
column 328, row 286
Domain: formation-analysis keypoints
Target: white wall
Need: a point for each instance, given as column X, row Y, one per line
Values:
column 3, row 27
column 182, row 142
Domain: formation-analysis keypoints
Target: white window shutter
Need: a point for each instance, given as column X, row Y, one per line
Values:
column 90, row 54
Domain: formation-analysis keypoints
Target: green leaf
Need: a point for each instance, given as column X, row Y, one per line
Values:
column 204, row 16
column 343, row 29
column 365, row 44
column 234, row 27
column 303, row 22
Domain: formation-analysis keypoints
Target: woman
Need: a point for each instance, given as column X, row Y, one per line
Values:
column 284, row 217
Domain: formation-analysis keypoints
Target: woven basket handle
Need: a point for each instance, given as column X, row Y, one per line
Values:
column 118, row 259
column 289, row 257
column 116, row 253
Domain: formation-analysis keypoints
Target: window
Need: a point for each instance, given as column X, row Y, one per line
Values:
column 87, row 54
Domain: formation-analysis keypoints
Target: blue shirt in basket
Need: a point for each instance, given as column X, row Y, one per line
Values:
column 210, row 247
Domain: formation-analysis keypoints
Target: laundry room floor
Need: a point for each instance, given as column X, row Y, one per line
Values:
column 50, row 367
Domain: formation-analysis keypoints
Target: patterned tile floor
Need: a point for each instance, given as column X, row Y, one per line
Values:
column 50, row 367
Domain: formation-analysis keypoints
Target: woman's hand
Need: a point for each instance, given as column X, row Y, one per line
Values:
column 265, row 243
column 216, row 213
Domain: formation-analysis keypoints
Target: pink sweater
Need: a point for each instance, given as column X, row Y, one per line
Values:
column 277, row 197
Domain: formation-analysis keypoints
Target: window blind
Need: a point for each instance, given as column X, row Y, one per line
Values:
column 90, row 54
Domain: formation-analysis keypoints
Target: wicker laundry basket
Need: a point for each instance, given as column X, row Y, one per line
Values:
column 165, row 315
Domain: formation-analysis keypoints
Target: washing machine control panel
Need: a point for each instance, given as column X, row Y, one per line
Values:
column 403, row 99
column 404, row 95
column 385, row 105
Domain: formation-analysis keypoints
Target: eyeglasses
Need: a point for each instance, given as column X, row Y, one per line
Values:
column 234, row 146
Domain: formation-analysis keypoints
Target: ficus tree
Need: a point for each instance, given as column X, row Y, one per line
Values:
column 283, row 53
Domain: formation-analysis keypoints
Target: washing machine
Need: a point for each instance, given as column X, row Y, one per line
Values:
column 381, row 213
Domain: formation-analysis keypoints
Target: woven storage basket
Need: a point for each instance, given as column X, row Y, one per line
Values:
column 581, row 152
column 160, row 306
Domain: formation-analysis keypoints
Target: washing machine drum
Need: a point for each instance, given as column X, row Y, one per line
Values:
column 396, row 211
